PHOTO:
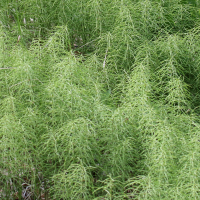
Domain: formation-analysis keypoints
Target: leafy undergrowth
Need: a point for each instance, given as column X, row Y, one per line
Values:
column 99, row 100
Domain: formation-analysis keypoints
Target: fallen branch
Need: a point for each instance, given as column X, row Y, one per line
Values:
column 104, row 62
column 89, row 42
column 8, row 68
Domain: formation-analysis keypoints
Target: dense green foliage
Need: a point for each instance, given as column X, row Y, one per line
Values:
column 100, row 99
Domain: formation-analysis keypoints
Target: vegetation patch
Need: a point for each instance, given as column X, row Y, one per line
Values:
column 99, row 99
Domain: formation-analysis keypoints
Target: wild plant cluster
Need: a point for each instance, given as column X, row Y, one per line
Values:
column 99, row 100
